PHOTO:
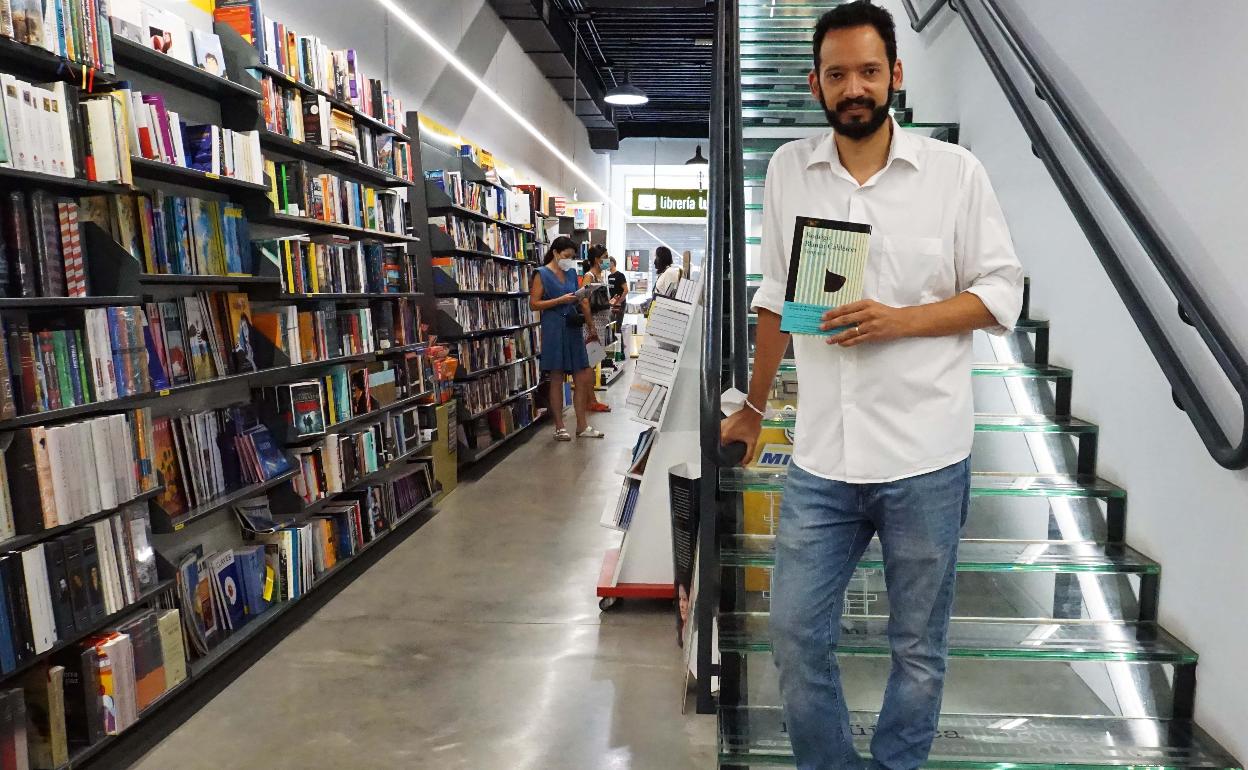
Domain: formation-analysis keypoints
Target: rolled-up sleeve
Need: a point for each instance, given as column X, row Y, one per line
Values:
column 987, row 265
column 774, row 257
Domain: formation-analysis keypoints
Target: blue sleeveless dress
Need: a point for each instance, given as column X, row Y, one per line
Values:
column 563, row 347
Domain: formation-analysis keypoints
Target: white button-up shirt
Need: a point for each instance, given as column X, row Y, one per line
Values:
column 884, row 411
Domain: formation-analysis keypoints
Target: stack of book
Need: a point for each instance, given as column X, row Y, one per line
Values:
column 79, row 29
column 648, row 399
column 206, row 455
column 222, row 592
column 465, row 274
column 482, row 432
column 657, row 362
column 310, row 267
column 62, row 588
column 307, row 59
column 202, row 336
column 64, row 473
column 344, row 393
column 486, row 352
column 330, row 198
column 397, row 323
column 93, row 689
column 471, row 235
column 332, row 465
column 175, row 235
column 42, row 244
column 619, row 515
column 326, row 332
column 480, row 394
column 478, row 314
column 491, row 200
column 41, row 128
column 669, row 321
column 158, row 133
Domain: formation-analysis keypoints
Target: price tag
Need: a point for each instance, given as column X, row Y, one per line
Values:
column 268, row 583
column 181, row 525
column 296, row 141
column 211, row 175
column 164, row 392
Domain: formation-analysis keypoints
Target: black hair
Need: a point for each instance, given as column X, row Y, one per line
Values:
column 860, row 13
column 596, row 252
column 562, row 243
column 662, row 258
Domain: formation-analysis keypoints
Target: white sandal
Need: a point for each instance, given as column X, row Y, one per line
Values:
column 561, row 434
column 591, row 432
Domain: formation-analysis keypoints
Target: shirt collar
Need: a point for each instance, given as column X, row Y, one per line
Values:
column 903, row 147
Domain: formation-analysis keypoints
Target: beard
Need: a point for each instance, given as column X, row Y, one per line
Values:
column 857, row 128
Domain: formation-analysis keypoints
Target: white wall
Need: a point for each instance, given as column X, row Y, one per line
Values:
column 425, row 82
column 1160, row 83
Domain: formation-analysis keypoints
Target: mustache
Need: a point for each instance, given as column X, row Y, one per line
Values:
column 861, row 101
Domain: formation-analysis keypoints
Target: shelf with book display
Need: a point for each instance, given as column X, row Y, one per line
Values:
column 310, row 225
column 22, row 541
column 467, row 455
column 84, row 755
column 291, row 439
column 163, row 524
column 484, row 332
column 197, row 669
column 392, row 467
column 138, row 399
column 462, row 376
column 456, row 251
column 168, row 69
column 482, row 293
column 34, row 304
column 451, row 208
column 15, row 178
column 170, row 173
column 179, row 279
column 356, row 114
column 37, row 62
column 323, row 156
column 504, row 402
column 349, row 296
column 99, row 625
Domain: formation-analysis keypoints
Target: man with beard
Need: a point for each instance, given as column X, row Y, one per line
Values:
column 884, row 420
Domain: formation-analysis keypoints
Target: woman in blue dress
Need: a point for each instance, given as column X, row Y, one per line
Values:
column 553, row 293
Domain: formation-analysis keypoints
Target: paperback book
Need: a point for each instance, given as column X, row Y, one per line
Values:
column 826, row 270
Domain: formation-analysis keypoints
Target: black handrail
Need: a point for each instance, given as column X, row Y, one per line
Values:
column 919, row 23
column 1192, row 305
column 712, row 376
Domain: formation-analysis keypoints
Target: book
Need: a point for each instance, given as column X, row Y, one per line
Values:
column 208, row 56
column 827, row 268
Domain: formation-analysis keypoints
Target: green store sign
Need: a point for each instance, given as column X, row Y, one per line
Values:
column 659, row 202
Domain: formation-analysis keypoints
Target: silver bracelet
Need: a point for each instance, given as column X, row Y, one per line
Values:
column 756, row 410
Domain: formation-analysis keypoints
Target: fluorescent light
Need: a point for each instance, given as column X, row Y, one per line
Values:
column 491, row 94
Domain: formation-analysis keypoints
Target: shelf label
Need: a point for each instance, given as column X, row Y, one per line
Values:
column 296, row 141
column 164, row 392
column 181, row 525
column 211, row 175
column 268, row 583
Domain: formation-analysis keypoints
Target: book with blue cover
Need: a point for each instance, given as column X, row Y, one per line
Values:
column 827, row 269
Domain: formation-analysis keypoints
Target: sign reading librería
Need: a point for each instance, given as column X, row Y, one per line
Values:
column 658, row 202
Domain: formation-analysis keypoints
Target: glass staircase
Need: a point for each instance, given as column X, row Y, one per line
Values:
column 1056, row 656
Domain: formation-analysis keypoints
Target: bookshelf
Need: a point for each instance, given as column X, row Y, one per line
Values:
column 383, row 498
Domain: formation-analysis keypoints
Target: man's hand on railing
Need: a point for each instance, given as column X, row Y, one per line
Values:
column 743, row 428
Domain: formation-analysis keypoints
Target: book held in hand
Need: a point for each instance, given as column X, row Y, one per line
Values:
column 826, row 270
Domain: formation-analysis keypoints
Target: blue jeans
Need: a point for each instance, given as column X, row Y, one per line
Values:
column 824, row 528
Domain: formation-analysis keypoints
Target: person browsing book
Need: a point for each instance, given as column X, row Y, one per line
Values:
column 669, row 275
column 619, row 295
column 555, row 293
column 884, row 417
column 599, row 305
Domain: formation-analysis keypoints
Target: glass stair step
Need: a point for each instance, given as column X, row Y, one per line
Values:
column 750, row 736
column 973, row 556
column 982, row 484
column 1107, row 642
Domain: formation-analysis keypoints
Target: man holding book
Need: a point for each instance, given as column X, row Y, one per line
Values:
column 885, row 417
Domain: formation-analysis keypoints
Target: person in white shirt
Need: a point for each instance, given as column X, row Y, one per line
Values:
column 669, row 275
column 884, row 419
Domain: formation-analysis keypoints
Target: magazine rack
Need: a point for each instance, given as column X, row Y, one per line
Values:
column 641, row 567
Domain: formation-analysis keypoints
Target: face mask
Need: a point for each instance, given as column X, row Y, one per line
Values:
column 604, row 265
column 568, row 265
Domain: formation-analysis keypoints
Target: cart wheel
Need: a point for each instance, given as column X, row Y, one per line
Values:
column 608, row 602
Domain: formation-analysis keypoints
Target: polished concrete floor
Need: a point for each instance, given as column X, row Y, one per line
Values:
column 476, row 644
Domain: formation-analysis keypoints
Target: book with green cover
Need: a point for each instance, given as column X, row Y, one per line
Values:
column 827, row 268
